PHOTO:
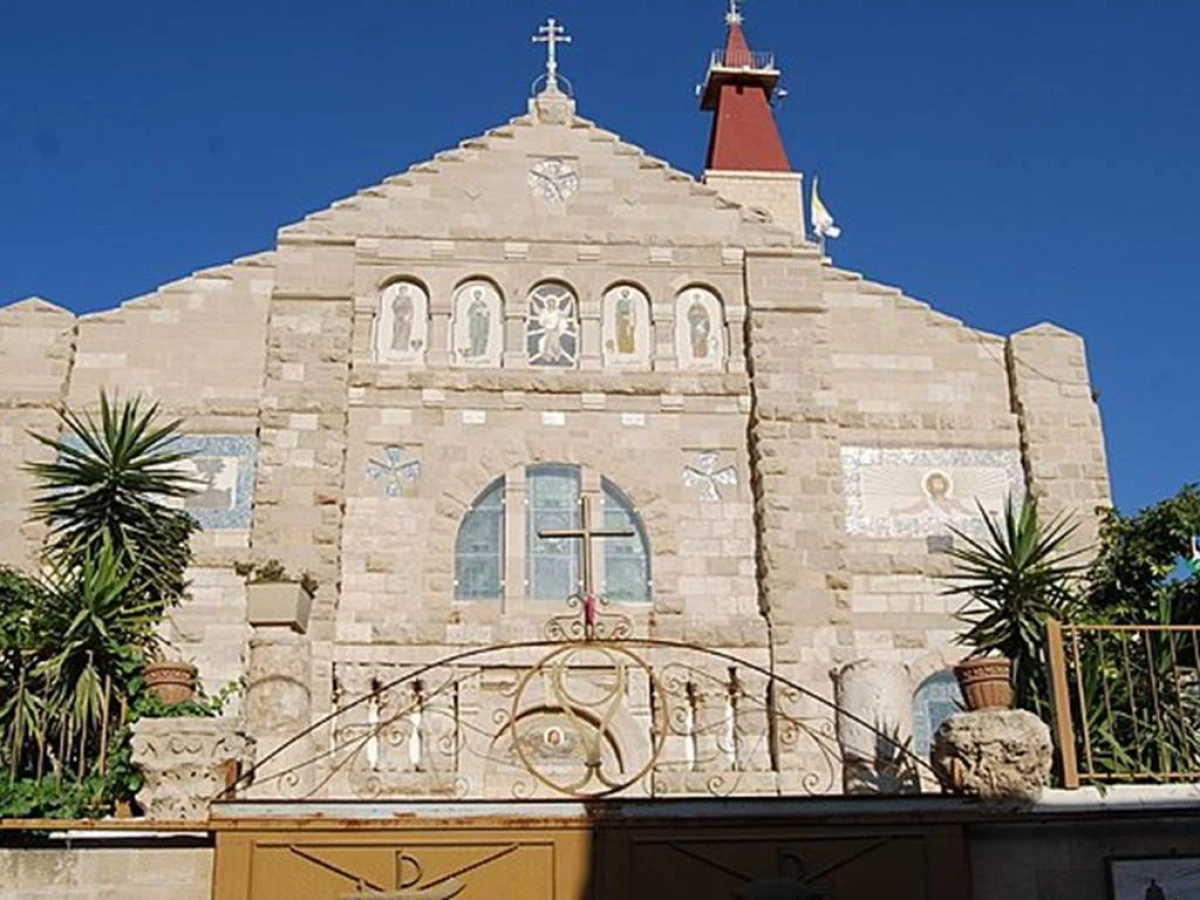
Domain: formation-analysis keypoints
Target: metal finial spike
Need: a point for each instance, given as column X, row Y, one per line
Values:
column 734, row 16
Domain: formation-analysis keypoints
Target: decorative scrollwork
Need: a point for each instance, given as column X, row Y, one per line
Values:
column 576, row 716
column 589, row 623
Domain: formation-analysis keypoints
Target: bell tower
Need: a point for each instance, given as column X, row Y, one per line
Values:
column 746, row 160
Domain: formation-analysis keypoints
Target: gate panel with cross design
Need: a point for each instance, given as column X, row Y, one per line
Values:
column 698, row 855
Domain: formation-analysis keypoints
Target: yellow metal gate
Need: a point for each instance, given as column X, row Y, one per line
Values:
column 602, row 859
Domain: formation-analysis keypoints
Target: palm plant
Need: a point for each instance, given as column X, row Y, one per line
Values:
column 109, row 485
column 20, row 710
column 1016, row 578
column 94, row 631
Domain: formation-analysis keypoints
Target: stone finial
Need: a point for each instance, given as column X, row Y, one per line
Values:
column 995, row 755
column 552, row 107
column 187, row 762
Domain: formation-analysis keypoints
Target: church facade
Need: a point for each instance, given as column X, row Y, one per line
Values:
column 416, row 384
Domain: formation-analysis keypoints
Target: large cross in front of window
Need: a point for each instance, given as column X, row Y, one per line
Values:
column 588, row 534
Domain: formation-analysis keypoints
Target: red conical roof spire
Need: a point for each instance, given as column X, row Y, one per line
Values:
column 740, row 83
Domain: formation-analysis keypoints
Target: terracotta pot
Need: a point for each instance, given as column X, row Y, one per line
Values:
column 171, row 682
column 986, row 682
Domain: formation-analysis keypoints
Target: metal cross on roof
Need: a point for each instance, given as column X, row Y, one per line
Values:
column 552, row 34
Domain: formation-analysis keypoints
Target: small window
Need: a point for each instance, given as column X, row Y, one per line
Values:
column 936, row 700
column 479, row 555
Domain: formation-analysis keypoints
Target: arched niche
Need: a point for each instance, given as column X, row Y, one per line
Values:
column 401, row 332
column 701, row 342
column 628, row 338
column 552, row 327
column 477, row 329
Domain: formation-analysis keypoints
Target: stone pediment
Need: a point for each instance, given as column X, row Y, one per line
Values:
column 35, row 306
column 546, row 175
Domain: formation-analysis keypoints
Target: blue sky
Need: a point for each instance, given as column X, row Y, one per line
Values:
column 1008, row 162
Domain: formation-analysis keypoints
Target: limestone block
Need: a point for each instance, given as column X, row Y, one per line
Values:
column 994, row 754
column 875, row 727
column 187, row 762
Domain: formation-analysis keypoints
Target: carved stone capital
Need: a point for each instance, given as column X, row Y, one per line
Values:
column 186, row 763
column 994, row 755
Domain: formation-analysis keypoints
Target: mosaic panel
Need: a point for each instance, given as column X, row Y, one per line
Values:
column 901, row 493
column 224, row 468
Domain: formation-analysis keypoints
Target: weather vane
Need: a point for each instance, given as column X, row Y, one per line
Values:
column 734, row 16
column 552, row 34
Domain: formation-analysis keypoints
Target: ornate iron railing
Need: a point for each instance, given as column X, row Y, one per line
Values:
column 742, row 59
column 1126, row 702
column 590, row 712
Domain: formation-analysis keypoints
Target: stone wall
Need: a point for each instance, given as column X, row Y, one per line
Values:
column 37, row 344
column 1061, row 433
column 155, row 870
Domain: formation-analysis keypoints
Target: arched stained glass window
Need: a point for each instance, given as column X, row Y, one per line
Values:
column 479, row 554
column 551, row 569
column 626, row 560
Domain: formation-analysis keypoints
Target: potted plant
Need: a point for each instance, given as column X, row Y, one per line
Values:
column 275, row 598
column 1015, row 578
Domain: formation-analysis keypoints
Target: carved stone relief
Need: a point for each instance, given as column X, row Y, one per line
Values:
column 186, row 763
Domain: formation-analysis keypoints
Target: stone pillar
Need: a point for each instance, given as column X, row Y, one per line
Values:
column 878, row 695
column 278, row 708
column 187, row 763
column 794, row 449
column 1061, row 437
column 995, row 754
column 300, row 493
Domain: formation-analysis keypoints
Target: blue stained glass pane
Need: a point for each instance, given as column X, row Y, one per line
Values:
column 626, row 560
column 553, row 565
column 479, row 553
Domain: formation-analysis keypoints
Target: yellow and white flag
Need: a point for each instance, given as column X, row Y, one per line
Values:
column 822, row 218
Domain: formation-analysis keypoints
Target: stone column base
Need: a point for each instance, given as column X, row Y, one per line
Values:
column 995, row 755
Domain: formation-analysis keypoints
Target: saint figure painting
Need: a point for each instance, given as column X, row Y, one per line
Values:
column 700, row 328
column 479, row 325
column 626, row 324
column 402, row 319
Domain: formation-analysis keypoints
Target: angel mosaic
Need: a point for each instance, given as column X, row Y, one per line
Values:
column 552, row 330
